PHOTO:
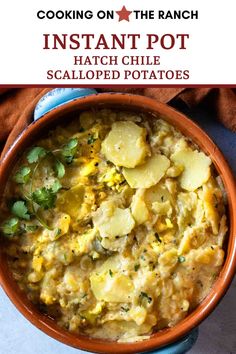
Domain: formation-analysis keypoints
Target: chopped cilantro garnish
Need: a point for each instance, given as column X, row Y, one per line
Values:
column 125, row 309
column 110, row 273
column 56, row 186
column 35, row 154
column 144, row 295
column 20, row 210
column 10, row 227
column 59, row 168
column 22, row 175
column 69, row 150
column 57, row 232
column 91, row 140
column 181, row 259
column 31, row 228
column 157, row 237
column 136, row 267
column 44, row 197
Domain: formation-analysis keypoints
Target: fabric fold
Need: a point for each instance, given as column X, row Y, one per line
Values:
column 17, row 105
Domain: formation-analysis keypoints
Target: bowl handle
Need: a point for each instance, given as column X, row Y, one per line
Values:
column 180, row 347
column 58, row 97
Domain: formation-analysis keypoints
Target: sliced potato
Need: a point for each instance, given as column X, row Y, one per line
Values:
column 138, row 314
column 210, row 256
column 196, row 168
column 125, row 144
column 210, row 202
column 84, row 242
column 115, row 288
column 164, row 208
column 112, row 221
column 114, row 245
column 149, row 173
column 193, row 237
column 108, row 284
column 167, row 262
column 158, row 193
column 138, row 208
column 71, row 200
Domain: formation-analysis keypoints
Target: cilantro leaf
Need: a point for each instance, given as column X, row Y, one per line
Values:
column 59, row 169
column 157, row 237
column 20, row 210
column 31, row 228
column 46, row 197
column 181, row 259
column 22, row 175
column 69, row 150
column 91, row 140
column 10, row 227
column 125, row 309
column 145, row 296
column 57, row 233
column 36, row 153
column 56, row 186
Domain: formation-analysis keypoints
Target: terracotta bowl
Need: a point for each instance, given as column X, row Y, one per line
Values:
column 188, row 128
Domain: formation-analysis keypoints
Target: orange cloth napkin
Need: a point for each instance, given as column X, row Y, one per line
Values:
column 17, row 105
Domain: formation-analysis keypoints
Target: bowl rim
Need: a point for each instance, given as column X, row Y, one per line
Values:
column 189, row 129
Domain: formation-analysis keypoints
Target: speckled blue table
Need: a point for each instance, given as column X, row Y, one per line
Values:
column 217, row 333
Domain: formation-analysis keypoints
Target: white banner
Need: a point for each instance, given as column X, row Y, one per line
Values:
column 126, row 42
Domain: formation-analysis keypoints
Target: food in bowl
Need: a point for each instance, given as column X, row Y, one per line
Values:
column 114, row 225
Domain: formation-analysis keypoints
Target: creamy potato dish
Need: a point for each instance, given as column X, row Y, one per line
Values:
column 114, row 225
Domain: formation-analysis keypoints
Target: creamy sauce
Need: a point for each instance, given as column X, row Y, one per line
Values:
column 116, row 226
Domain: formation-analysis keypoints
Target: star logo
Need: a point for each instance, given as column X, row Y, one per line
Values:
column 124, row 14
